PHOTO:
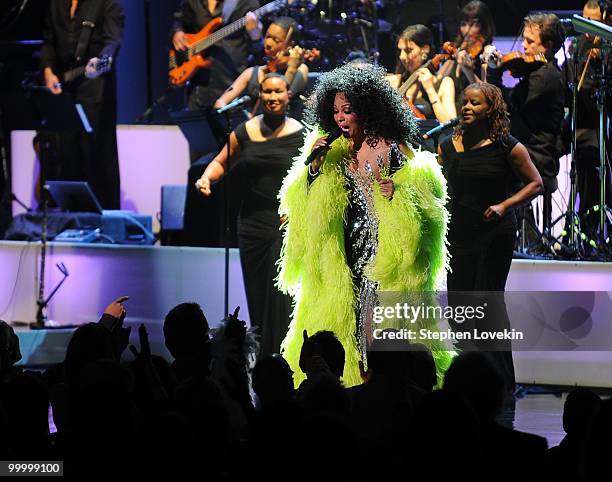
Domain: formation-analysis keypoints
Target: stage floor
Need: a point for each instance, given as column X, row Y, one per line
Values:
column 157, row 278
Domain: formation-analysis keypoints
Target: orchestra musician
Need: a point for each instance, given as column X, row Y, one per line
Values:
column 476, row 30
column 433, row 99
column 536, row 103
column 284, row 57
column 587, row 119
column 230, row 55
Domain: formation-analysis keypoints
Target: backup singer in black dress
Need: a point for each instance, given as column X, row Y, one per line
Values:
column 481, row 159
column 267, row 144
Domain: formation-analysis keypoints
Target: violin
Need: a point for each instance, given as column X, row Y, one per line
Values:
column 520, row 64
column 282, row 58
column 433, row 64
column 473, row 45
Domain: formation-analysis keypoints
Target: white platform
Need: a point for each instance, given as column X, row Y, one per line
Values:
column 158, row 278
column 155, row 278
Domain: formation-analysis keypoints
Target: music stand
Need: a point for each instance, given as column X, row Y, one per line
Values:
column 52, row 113
column 195, row 126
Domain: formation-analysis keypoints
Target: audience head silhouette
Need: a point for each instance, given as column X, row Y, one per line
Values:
column 272, row 380
column 327, row 346
column 474, row 376
column 186, row 330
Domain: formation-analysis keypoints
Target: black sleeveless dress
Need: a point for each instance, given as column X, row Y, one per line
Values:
column 481, row 251
column 259, row 235
column 477, row 179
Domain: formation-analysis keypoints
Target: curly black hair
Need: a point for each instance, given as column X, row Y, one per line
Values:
column 379, row 108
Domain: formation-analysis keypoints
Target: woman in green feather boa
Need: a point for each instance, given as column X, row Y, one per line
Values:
column 368, row 215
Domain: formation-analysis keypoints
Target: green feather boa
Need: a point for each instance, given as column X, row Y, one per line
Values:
column 411, row 256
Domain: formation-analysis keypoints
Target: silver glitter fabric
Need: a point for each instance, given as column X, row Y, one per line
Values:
column 363, row 241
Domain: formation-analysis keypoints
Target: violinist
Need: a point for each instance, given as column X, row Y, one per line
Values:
column 476, row 30
column 283, row 56
column 587, row 117
column 432, row 99
column 536, row 103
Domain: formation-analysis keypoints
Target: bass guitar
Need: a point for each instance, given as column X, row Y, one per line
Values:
column 184, row 64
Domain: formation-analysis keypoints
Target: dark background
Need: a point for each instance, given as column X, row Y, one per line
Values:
column 142, row 63
column 137, row 89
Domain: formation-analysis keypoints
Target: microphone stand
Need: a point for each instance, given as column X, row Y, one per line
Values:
column 146, row 116
column 375, row 47
column 226, row 207
column 571, row 216
column 226, row 215
column 601, row 99
column 42, row 302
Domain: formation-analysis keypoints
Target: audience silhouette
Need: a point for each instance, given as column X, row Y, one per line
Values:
column 210, row 411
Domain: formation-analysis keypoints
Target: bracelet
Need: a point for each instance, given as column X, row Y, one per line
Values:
column 313, row 174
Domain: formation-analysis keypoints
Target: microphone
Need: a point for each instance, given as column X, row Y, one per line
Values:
column 319, row 150
column 438, row 129
column 234, row 104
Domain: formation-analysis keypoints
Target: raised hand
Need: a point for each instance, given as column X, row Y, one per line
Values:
column 116, row 308
column 320, row 142
column 296, row 57
column 253, row 26
column 491, row 56
column 426, row 78
column 145, row 345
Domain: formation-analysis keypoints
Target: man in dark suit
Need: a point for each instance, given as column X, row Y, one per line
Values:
column 536, row 103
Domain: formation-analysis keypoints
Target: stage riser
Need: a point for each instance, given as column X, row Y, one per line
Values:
column 158, row 278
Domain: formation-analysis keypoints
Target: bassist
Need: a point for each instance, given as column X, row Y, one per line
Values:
column 230, row 56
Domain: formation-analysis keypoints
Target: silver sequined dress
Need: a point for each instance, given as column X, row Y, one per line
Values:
column 361, row 238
